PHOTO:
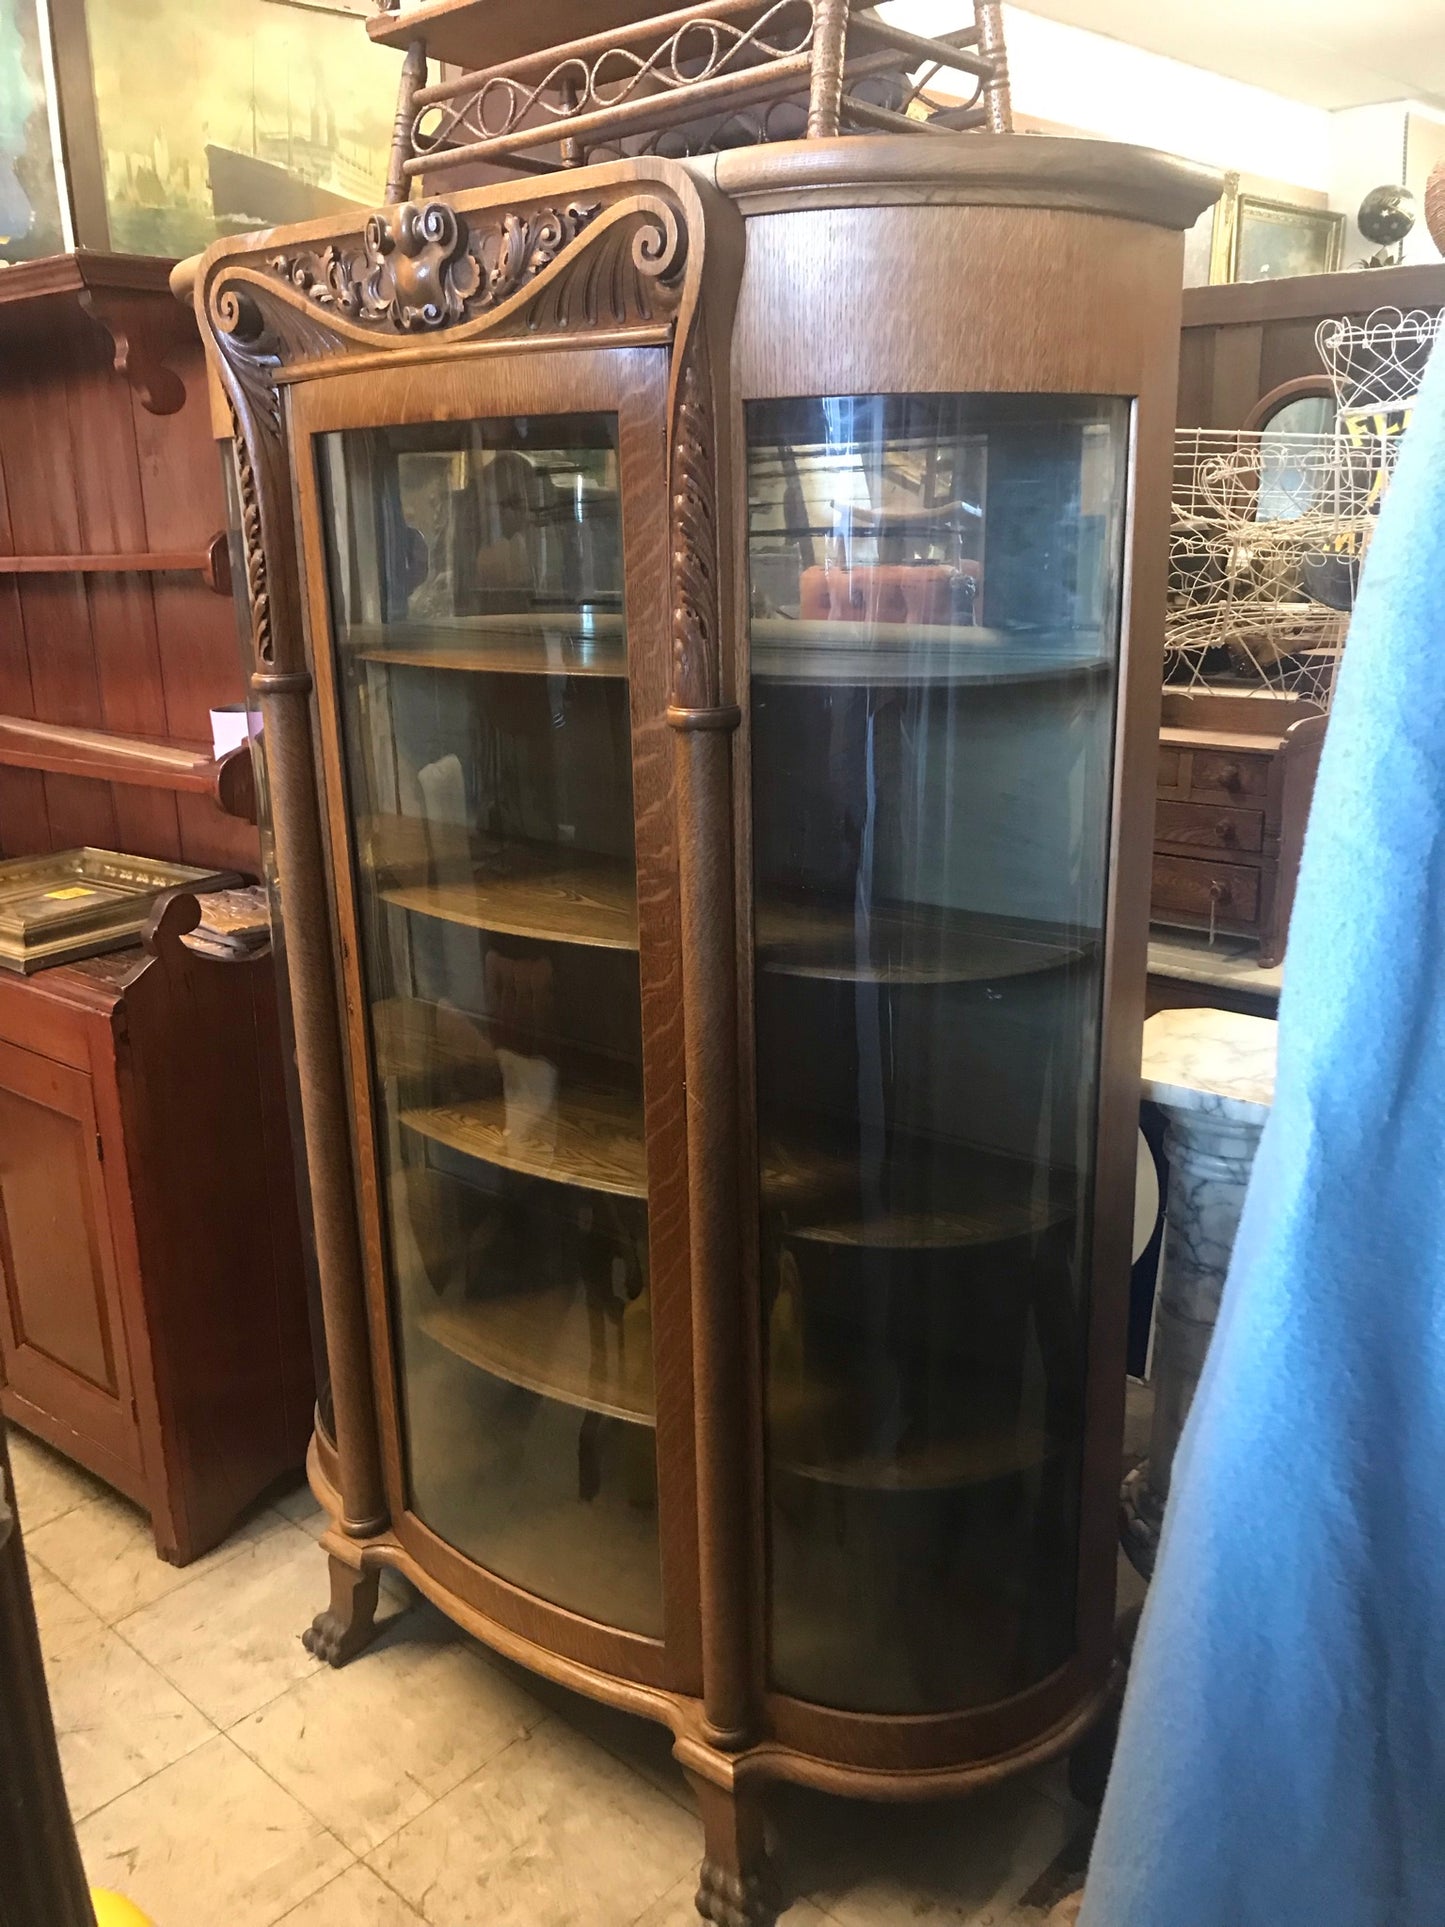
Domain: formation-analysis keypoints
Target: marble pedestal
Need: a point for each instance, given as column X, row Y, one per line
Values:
column 1212, row 1074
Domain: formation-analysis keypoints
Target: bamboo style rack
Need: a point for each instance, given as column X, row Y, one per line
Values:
column 563, row 83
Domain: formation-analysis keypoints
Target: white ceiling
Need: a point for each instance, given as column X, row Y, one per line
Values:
column 1330, row 53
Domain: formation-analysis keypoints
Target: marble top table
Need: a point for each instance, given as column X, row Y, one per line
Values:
column 1212, row 1074
column 1216, row 1061
column 1230, row 964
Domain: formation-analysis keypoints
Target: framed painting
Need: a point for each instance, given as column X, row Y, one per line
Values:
column 218, row 119
column 1258, row 239
column 30, row 190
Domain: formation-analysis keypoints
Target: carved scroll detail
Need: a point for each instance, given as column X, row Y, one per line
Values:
column 696, row 666
column 612, row 263
column 263, row 640
column 419, row 267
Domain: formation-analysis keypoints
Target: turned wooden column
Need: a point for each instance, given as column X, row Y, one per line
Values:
column 249, row 358
column 42, row 1883
column 997, row 98
column 720, row 1379
column 284, row 699
column 825, row 94
column 413, row 76
column 704, row 722
column 1212, row 1074
column 1435, row 206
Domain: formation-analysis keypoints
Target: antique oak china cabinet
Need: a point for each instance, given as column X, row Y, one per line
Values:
column 706, row 609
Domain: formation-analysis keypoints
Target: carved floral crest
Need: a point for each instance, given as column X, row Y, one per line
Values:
column 620, row 259
column 419, row 267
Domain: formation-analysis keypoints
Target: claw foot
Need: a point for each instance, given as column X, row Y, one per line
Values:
column 349, row 1623
column 733, row 1900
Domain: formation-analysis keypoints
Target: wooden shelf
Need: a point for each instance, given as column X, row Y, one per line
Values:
column 543, row 1340
column 414, row 1039
column 573, row 896
column 594, row 1139
column 61, row 751
column 941, row 1467
column 899, row 655
column 212, row 564
column 998, row 1221
column 908, row 946
column 985, row 1197
column 558, row 897
column 470, row 33
column 128, row 295
column 528, row 644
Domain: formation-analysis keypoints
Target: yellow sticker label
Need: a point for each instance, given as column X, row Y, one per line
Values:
column 71, row 891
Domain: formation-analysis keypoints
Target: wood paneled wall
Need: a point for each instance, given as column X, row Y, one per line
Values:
column 1241, row 341
column 86, row 468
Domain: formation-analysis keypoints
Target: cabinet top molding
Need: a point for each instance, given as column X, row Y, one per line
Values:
column 986, row 170
column 479, row 256
column 609, row 253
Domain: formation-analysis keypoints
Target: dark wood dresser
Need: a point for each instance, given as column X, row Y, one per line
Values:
column 152, row 1293
column 152, row 1306
column 1236, row 775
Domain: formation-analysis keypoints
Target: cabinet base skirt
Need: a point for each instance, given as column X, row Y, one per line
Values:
column 891, row 1758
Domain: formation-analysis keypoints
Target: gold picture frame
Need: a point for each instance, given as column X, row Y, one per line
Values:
column 77, row 903
column 1255, row 238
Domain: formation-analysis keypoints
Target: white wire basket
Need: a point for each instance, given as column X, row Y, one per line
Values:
column 1269, row 528
column 1268, row 531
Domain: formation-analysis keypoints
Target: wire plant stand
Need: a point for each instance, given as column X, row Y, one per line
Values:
column 1270, row 527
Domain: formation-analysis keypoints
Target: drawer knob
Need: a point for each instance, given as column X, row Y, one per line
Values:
column 1224, row 830
column 1218, row 891
column 1230, row 776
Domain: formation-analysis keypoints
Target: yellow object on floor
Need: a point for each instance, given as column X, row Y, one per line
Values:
column 112, row 1911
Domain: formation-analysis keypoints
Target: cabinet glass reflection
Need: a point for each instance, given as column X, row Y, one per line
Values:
column 935, row 592
column 481, row 658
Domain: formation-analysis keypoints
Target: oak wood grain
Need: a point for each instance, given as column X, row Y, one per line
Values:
column 593, row 1140
column 568, row 899
column 559, row 646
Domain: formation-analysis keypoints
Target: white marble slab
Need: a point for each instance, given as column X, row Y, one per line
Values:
column 1214, row 1061
column 1229, row 963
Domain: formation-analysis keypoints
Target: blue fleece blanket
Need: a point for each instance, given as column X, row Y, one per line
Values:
column 1282, row 1757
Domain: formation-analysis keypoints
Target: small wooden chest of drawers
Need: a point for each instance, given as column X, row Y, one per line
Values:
column 1236, row 774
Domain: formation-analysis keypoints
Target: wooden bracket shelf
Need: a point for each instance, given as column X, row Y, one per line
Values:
column 212, row 564
column 63, row 751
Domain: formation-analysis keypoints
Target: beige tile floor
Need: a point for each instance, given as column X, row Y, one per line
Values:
column 219, row 1775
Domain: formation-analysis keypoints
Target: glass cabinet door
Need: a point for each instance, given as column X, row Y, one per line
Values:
column 935, row 593
column 476, row 585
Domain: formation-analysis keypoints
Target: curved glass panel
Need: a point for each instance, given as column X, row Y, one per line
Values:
column 481, row 662
column 935, row 620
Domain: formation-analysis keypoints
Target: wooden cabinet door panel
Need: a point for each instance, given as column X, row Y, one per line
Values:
column 61, row 1337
